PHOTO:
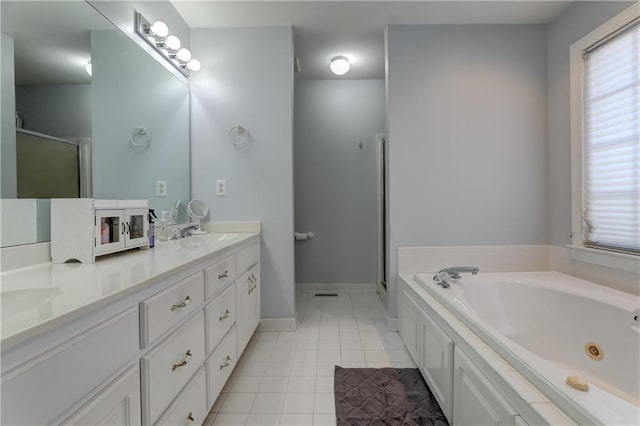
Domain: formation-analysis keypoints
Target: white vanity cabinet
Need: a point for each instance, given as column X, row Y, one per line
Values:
column 476, row 400
column 248, row 300
column 41, row 388
column 117, row 404
column 160, row 355
column 83, row 228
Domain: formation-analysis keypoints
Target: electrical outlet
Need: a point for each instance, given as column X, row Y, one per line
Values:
column 161, row 188
column 221, row 188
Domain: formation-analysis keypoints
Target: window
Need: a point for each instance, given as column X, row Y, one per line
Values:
column 606, row 136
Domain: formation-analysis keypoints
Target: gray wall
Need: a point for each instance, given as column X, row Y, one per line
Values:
column 335, row 180
column 130, row 89
column 575, row 22
column 8, row 109
column 62, row 110
column 467, row 123
column 247, row 78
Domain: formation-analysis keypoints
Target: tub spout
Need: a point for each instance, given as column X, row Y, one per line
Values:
column 443, row 276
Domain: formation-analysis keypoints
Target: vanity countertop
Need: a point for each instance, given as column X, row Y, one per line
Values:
column 38, row 298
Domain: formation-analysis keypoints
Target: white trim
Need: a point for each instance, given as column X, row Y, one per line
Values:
column 277, row 324
column 338, row 287
column 23, row 256
column 392, row 323
column 576, row 77
column 610, row 259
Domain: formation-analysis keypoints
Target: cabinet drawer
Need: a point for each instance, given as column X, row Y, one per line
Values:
column 220, row 316
column 219, row 275
column 220, row 365
column 248, row 257
column 117, row 404
column 190, row 407
column 167, row 368
column 42, row 389
column 160, row 312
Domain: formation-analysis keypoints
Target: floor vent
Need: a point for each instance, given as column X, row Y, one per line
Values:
column 326, row 294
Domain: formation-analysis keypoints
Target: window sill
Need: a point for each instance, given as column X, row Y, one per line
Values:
column 609, row 259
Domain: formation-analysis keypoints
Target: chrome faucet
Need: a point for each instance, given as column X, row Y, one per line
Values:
column 183, row 232
column 443, row 276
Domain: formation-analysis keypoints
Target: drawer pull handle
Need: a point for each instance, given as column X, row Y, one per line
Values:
column 183, row 363
column 226, row 363
column 223, row 275
column 225, row 315
column 190, row 417
column 187, row 300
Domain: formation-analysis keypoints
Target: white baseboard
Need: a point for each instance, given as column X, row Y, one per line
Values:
column 337, row 287
column 392, row 323
column 277, row 324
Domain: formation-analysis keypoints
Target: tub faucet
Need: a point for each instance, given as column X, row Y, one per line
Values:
column 443, row 276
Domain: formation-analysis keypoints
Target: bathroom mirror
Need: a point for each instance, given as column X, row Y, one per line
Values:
column 94, row 120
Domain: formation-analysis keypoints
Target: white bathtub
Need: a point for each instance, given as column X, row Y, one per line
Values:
column 540, row 323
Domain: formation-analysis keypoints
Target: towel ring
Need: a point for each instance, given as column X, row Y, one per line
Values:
column 239, row 136
column 142, row 134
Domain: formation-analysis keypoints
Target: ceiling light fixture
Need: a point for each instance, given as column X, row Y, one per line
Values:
column 340, row 65
column 88, row 68
column 169, row 46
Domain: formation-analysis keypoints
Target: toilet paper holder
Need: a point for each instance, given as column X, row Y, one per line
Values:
column 302, row 236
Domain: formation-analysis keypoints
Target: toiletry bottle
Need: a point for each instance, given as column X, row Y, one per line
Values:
column 152, row 218
column 163, row 229
column 104, row 231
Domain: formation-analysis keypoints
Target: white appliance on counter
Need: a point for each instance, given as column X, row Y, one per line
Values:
column 84, row 228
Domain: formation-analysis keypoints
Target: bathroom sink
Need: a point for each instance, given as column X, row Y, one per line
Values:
column 15, row 301
column 205, row 241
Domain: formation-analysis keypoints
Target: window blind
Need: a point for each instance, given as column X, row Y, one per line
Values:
column 611, row 142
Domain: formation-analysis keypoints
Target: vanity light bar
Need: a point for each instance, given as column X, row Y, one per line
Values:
column 165, row 44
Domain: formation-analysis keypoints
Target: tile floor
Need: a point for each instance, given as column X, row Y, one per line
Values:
column 286, row 378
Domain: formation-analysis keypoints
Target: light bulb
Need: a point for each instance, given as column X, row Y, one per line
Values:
column 340, row 65
column 88, row 68
column 159, row 28
column 173, row 42
column 184, row 55
column 194, row 65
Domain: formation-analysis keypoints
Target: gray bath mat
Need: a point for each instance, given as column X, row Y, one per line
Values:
column 384, row 396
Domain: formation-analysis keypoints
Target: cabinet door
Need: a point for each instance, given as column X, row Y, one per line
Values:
column 475, row 400
column 117, row 404
column 254, row 292
column 408, row 324
column 436, row 363
column 137, row 227
column 244, row 315
column 110, row 231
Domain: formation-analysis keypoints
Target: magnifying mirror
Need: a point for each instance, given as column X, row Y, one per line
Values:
column 197, row 210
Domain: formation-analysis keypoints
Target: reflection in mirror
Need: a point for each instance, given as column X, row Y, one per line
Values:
column 70, row 132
